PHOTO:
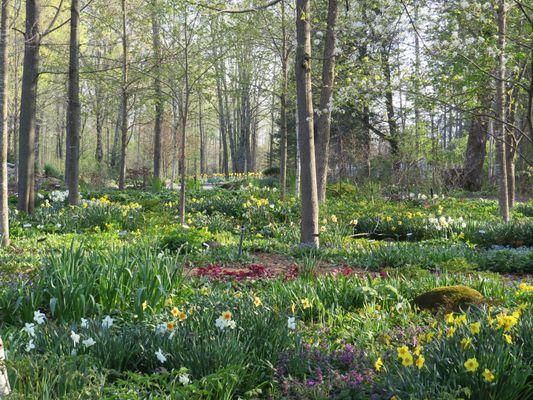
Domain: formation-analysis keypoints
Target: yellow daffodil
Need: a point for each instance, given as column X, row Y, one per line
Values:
column 257, row 301
column 144, row 305
column 449, row 318
column 460, row 320
column 378, row 364
column 466, row 343
column 475, row 328
column 407, row 360
column 420, row 361
column 293, row 308
column 306, row 303
column 488, row 375
column 175, row 311
column 450, row 332
column 471, row 364
column 182, row 316
column 403, row 351
column 226, row 315
column 169, row 302
column 508, row 338
column 170, row 325
column 417, row 350
column 334, row 219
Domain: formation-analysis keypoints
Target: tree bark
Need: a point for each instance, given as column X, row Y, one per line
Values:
column 222, row 127
column 475, row 153
column 4, row 143
column 309, row 196
column 157, row 91
column 4, row 380
column 324, row 118
column 73, row 112
column 203, row 167
column 283, row 107
column 124, row 108
column 389, row 105
column 499, row 130
column 30, row 76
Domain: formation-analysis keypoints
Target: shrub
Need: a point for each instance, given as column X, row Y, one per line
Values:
column 186, row 240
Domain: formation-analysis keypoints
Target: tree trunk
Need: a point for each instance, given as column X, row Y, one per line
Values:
column 4, row 379
column 309, row 196
column 73, row 112
column 389, row 105
column 4, row 143
column 367, row 141
column 157, row 91
column 99, row 153
column 324, row 118
column 175, row 128
column 124, row 108
column 222, row 127
column 283, row 106
column 203, row 168
column 511, row 146
column 475, row 153
column 499, row 131
column 30, row 76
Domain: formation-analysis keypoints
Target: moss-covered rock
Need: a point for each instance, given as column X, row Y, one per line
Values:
column 449, row 298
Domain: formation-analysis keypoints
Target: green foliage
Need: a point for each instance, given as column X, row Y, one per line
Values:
column 51, row 171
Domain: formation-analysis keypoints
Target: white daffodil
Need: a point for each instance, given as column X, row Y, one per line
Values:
column 75, row 337
column 29, row 328
column 39, row 317
column 88, row 342
column 160, row 356
column 107, row 322
column 84, row 323
column 291, row 323
column 30, row 346
column 184, row 379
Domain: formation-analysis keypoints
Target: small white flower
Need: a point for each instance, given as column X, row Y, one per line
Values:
column 75, row 337
column 88, row 342
column 184, row 379
column 231, row 324
column 160, row 356
column 29, row 329
column 30, row 346
column 107, row 322
column 481, row 231
column 39, row 317
column 220, row 323
column 84, row 323
column 161, row 328
column 291, row 323
column 160, row 255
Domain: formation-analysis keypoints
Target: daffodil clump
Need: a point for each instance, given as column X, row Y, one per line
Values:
column 470, row 353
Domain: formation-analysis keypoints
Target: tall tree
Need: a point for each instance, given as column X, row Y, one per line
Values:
column 503, row 195
column 72, row 159
column 308, row 186
column 324, row 118
column 284, row 54
column 157, row 90
column 124, row 100
column 4, row 206
column 30, row 77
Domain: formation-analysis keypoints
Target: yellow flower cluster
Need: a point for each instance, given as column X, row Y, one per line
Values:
column 407, row 358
